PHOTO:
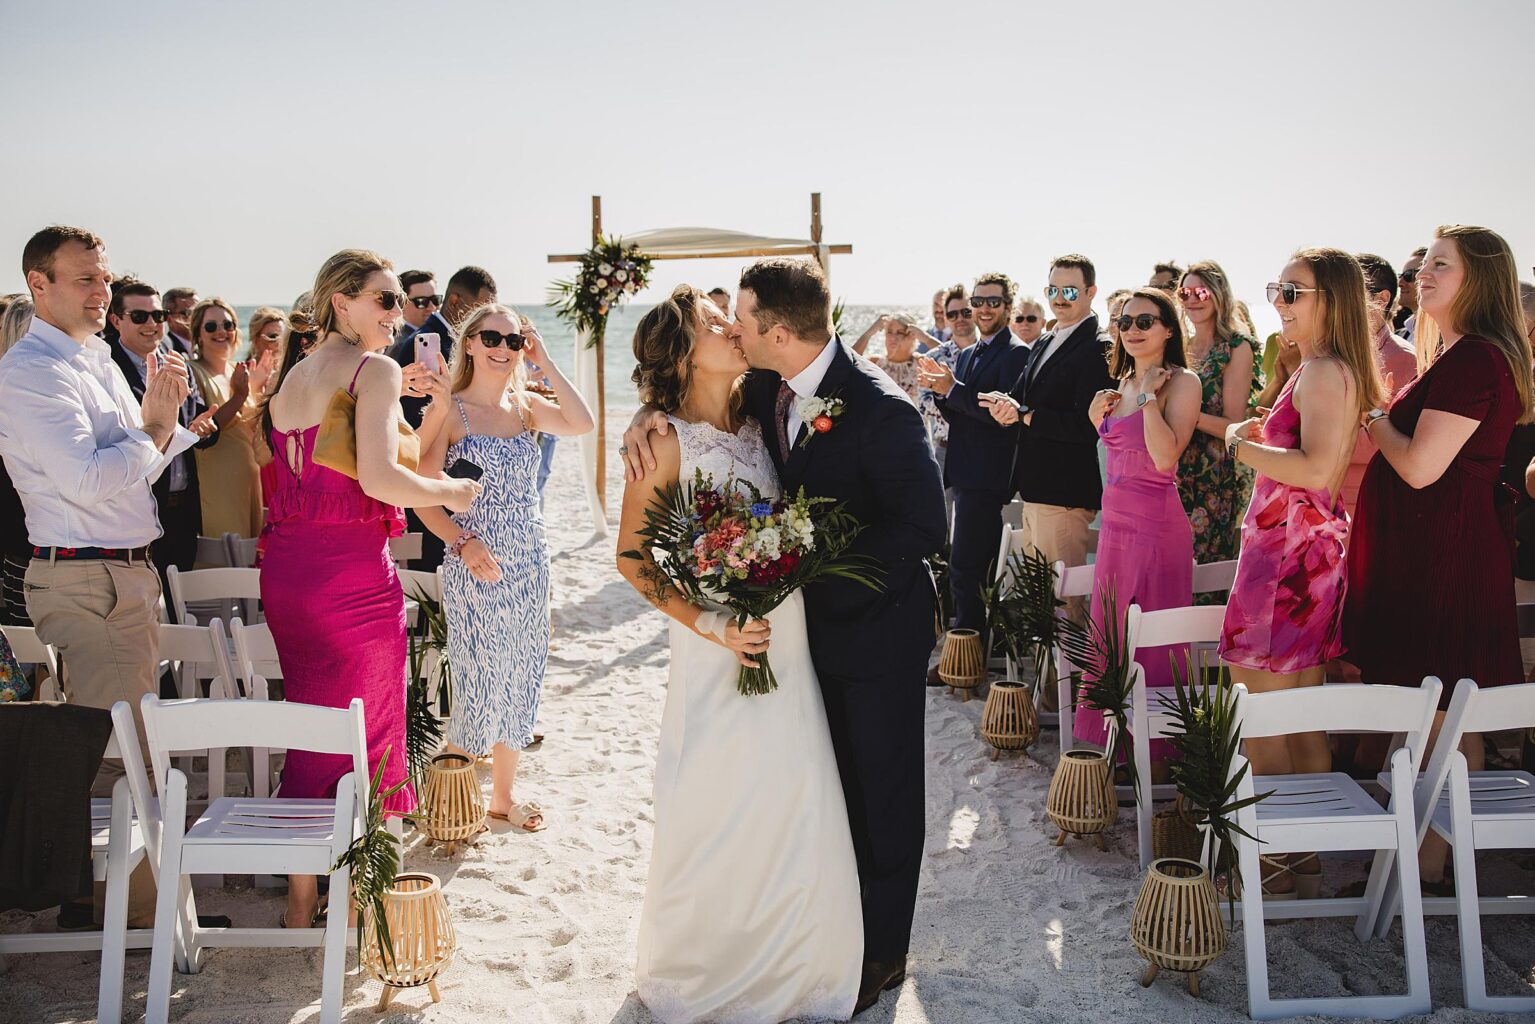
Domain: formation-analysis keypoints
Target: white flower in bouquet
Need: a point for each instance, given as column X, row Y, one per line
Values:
column 621, row 274
column 768, row 543
column 604, row 269
column 602, row 282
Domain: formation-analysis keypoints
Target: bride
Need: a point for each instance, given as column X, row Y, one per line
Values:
column 752, row 905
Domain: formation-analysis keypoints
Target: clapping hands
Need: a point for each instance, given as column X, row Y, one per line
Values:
column 934, row 376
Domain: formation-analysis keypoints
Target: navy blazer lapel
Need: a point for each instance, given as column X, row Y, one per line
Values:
column 836, row 376
column 1086, row 329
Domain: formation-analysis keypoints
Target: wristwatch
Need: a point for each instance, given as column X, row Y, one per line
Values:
column 1373, row 417
column 1141, row 399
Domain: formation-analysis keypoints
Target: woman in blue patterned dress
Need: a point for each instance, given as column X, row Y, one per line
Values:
column 495, row 579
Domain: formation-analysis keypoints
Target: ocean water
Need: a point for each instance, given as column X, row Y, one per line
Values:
column 618, row 351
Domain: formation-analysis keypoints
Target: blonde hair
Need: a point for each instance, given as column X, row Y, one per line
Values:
column 1226, row 324
column 461, row 366
column 265, row 315
column 15, row 322
column 195, row 323
column 1345, row 327
column 1487, row 306
column 343, row 274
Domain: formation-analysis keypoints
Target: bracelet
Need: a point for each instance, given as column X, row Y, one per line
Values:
column 464, row 537
column 712, row 623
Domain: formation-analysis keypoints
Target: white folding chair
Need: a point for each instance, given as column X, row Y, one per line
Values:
column 247, row 835
column 1330, row 811
column 1473, row 811
column 30, row 650
column 405, row 547
column 242, row 550
column 419, row 583
column 199, row 654
column 230, row 592
column 255, row 662
column 1214, row 577
column 1073, row 581
column 212, row 552
column 1012, row 514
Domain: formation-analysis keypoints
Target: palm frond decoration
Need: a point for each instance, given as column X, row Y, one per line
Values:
column 374, row 861
column 1105, row 678
column 1023, row 613
column 423, row 727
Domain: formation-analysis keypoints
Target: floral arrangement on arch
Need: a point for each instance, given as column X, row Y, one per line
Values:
column 610, row 271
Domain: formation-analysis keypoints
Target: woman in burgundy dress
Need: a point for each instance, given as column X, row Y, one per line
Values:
column 1431, row 570
column 328, row 585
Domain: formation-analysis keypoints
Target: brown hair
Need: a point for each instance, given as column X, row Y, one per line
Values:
column 952, row 292
column 663, row 350
column 1210, row 272
column 1082, row 263
column 195, row 324
column 129, row 286
column 42, row 247
column 995, row 277
column 1345, row 327
column 1121, row 363
column 1487, row 306
column 791, row 293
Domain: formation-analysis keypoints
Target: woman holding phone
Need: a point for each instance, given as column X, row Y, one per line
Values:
column 495, row 578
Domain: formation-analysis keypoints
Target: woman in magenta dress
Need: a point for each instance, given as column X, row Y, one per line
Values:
column 328, row 585
column 1283, row 622
column 1145, row 545
column 1431, row 570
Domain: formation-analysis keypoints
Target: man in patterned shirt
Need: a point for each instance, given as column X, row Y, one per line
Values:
column 960, row 318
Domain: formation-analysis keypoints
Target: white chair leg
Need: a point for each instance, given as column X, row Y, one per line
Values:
column 1468, row 910
column 1066, row 716
column 174, row 801
column 1414, row 943
column 1140, row 749
column 334, row 965
column 1254, row 943
column 1382, row 897
column 114, row 929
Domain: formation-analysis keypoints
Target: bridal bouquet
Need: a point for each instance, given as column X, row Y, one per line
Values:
column 729, row 545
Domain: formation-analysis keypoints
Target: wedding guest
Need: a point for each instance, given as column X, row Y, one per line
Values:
column 178, row 313
column 1431, row 576
column 1116, row 306
column 1056, row 467
column 1145, row 547
column 495, row 580
column 140, row 322
column 1166, row 277
column 15, row 549
column 228, row 472
column 84, row 455
column 1215, row 487
column 940, row 331
column 957, row 312
column 1283, row 622
column 721, row 298
column 328, row 586
column 902, row 336
column 1407, row 307
column 422, row 300
column 266, row 328
column 1028, row 321
column 6, row 302
column 467, row 288
column 981, row 449
column 1283, row 357
column 1394, row 358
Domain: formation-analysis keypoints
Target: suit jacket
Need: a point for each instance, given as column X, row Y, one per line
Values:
column 1057, row 460
column 877, row 460
column 981, row 450
column 404, row 353
column 193, row 407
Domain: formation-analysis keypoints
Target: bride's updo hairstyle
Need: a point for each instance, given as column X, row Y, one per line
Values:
column 663, row 349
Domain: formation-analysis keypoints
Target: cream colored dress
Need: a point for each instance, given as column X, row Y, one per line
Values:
column 227, row 473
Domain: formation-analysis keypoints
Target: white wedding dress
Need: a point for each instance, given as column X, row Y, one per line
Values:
column 752, row 912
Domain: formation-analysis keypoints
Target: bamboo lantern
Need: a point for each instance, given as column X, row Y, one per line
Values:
column 454, row 808
column 1082, row 801
column 1176, row 924
column 1008, row 721
column 962, row 665
column 1174, row 834
column 420, row 931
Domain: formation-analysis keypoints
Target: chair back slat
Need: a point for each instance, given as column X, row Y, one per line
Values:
column 417, row 582
column 1495, row 709
column 255, row 652
column 1342, row 708
column 1213, row 577
column 1196, row 624
column 1073, row 581
column 177, row 725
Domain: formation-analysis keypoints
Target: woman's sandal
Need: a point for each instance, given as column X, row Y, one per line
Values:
column 1308, row 883
column 521, row 814
column 1276, row 869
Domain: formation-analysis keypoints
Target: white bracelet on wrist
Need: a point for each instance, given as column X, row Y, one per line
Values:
column 712, row 623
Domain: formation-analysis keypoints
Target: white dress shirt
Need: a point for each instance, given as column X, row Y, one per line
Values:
column 1051, row 344
column 805, row 383
column 72, row 441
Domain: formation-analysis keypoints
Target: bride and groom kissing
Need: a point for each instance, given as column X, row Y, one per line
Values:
column 788, row 826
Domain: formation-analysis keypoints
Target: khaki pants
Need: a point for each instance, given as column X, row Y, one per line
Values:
column 103, row 617
column 1061, row 535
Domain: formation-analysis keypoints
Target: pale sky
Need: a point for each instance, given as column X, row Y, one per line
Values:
column 232, row 146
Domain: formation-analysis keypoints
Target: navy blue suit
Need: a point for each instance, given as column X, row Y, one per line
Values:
column 979, row 467
column 870, row 647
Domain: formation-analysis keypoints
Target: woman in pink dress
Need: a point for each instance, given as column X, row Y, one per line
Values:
column 1145, row 545
column 1283, row 623
column 328, row 585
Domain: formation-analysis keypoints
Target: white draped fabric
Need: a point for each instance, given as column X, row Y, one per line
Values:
column 586, row 383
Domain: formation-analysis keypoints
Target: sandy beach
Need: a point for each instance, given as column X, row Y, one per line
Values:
column 1009, row 928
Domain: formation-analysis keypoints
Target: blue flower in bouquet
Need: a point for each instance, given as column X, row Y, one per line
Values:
column 762, row 509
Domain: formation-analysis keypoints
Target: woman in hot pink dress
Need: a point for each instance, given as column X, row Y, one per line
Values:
column 1145, row 546
column 1284, row 619
column 328, row 585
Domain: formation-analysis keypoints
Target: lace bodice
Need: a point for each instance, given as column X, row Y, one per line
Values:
column 721, row 455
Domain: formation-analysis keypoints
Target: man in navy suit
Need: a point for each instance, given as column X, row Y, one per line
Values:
column 979, row 466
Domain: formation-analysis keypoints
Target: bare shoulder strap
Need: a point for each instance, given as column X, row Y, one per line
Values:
column 351, row 388
column 462, row 413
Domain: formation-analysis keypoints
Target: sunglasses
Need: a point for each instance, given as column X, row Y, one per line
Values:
column 305, row 337
column 386, row 299
column 1142, row 322
column 209, row 326
column 140, row 316
column 493, row 339
column 956, row 314
column 1026, row 318
column 1407, row 276
column 423, row 301
column 1196, row 294
column 1286, row 291
column 1070, row 293
column 270, row 335
column 982, row 301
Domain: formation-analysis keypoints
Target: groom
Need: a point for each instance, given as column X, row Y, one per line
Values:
column 870, row 648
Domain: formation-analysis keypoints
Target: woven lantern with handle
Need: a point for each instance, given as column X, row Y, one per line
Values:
column 452, row 806
column 1081, row 801
column 962, row 665
column 1176, row 924
column 420, row 932
column 1008, row 721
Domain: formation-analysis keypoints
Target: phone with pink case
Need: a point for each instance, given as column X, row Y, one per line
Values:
column 429, row 351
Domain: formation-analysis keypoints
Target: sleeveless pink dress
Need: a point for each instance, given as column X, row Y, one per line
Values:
column 1145, row 549
column 1286, row 607
column 333, row 601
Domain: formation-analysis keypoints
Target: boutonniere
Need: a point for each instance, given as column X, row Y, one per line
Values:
column 819, row 414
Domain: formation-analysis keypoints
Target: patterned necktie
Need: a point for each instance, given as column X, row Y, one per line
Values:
column 781, row 414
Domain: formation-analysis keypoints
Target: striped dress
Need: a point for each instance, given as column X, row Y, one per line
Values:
column 498, row 633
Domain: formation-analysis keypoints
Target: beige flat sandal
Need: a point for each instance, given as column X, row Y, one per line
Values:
column 521, row 814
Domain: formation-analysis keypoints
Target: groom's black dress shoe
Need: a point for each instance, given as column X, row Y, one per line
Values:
column 878, row 977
